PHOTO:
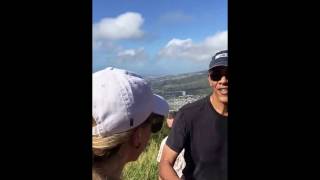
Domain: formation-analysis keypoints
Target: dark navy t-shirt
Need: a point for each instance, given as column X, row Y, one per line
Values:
column 203, row 133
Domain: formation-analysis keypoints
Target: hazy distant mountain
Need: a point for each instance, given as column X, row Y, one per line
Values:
column 195, row 83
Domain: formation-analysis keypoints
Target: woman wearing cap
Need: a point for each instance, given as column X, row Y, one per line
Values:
column 125, row 112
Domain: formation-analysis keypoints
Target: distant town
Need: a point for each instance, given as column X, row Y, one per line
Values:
column 176, row 103
column 181, row 89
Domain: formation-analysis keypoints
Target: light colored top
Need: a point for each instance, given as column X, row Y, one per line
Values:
column 180, row 163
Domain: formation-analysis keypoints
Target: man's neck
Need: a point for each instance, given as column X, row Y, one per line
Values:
column 221, row 108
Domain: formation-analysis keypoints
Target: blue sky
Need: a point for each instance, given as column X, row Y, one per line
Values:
column 158, row 37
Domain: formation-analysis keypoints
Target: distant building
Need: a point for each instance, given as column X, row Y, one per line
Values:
column 183, row 93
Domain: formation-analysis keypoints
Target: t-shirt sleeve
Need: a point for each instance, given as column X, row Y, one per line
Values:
column 178, row 134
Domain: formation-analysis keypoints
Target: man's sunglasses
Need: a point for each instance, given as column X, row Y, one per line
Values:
column 217, row 73
column 156, row 122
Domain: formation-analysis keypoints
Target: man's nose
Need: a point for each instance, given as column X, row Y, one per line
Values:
column 223, row 80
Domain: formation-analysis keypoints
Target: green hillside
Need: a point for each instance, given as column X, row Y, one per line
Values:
column 191, row 83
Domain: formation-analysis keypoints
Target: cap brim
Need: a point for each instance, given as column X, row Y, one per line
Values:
column 161, row 106
column 222, row 63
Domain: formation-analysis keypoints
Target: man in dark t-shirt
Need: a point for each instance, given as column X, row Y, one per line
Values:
column 201, row 129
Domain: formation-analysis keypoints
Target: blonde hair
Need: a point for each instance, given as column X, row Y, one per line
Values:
column 104, row 147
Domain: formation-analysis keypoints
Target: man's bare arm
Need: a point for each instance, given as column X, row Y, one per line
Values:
column 168, row 158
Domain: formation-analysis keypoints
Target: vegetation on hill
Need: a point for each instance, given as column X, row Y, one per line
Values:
column 192, row 84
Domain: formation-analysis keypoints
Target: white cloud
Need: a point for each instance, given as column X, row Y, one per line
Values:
column 179, row 43
column 125, row 26
column 132, row 55
column 188, row 50
column 219, row 40
column 128, row 52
